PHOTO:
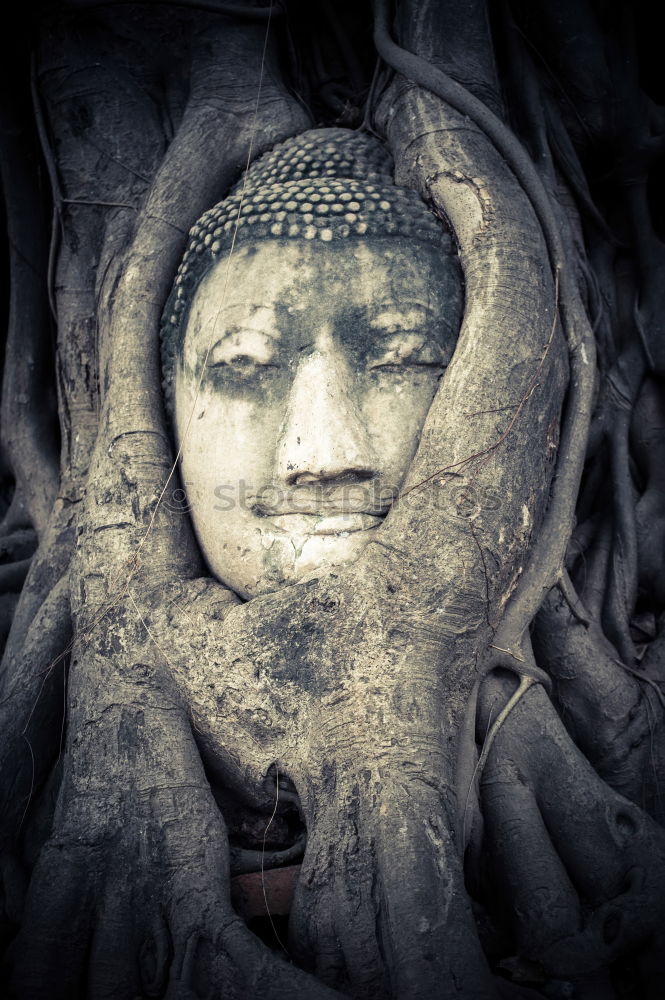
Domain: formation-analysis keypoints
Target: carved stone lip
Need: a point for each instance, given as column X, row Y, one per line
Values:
column 326, row 522
column 321, row 500
column 315, row 507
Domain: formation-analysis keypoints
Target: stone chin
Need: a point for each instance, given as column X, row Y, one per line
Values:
column 280, row 558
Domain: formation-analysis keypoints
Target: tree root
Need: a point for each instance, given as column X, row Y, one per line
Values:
column 31, row 731
column 510, row 648
column 580, row 869
column 29, row 417
column 95, row 912
column 617, row 720
column 17, row 546
column 384, row 864
column 378, row 853
column 48, row 566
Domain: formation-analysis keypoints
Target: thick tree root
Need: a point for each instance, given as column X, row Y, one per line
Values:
column 48, row 566
column 19, row 544
column 381, row 843
column 160, row 922
column 31, row 729
column 28, row 434
column 615, row 715
column 580, row 869
column 376, row 882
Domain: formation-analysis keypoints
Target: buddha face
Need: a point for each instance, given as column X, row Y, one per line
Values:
column 306, row 374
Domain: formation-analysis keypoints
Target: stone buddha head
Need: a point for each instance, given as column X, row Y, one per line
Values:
column 312, row 317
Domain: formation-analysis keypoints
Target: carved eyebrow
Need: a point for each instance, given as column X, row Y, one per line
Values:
column 257, row 307
column 235, row 331
column 262, row 319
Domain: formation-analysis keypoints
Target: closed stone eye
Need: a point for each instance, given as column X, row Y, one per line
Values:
column 243, row 352
column 410, row 350
column 242, row 361
column 242, row 369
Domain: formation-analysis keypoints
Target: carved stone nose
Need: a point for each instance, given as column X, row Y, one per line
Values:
column 323, row 436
